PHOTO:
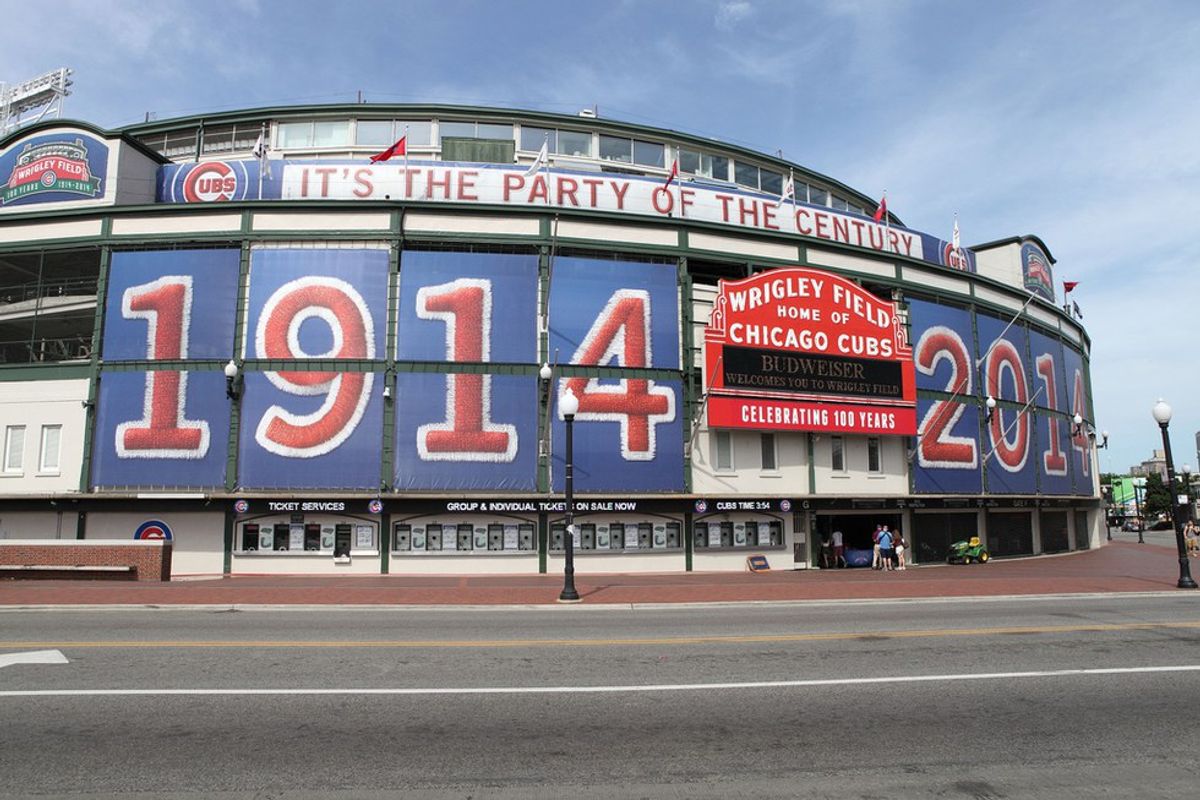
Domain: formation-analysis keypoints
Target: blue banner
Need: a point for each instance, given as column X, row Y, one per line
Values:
column 467, row 307
column 1053, row 427
column 161, row 428
column 171, row 304
column 318, row 304
column 628, row 431
column 53, row 168
column 1079, row 403
column 311, row 430
column 1004, row 374
column 219, row 181
column 307, row 428
column 466, row 431
column 946, row 454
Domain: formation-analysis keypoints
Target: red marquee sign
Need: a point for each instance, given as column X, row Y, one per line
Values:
column 805, row 350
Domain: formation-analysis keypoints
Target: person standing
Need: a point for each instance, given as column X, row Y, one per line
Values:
column 901, row 548
column 875, row 550
column 839, row 550
column 824, row 551
column 885, row 549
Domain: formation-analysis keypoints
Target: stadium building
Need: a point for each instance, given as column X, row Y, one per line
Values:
column 239, row 332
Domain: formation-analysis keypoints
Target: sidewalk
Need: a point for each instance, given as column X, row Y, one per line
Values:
column 1118, row 566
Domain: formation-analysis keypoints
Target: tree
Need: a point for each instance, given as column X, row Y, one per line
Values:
column 1157, row 500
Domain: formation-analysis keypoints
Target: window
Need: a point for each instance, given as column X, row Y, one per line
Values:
column 874, row 461
column 335, row 133
column 649, row 154
column 51, row 439
column 839, row 203
column 14, row 448
column 703, row 164
column 218, row 140
column 770, row 182
column 818, row 197
column 574, row 143
column 375, row 132
column 801, row 192
column 745, row 174
column 532, row 138
column 768, row 452
column 837, row 453
column 475, row 130
column 615, row 148
column 723, row 451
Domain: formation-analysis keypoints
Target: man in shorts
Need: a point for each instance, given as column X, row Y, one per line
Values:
column 839, row 550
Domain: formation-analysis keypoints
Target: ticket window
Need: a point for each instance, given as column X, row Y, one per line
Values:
column 341, row 540
column 699, row 535
column 603, row 542
column 282, row 534
column 775, row 531
column 673, row 534
column 466, row 536
column 312, row 537
column 587, row 536
column 558, row 532
column 525, row 536
column 727, row 534
column 752, row 534
column 250, row 536
column 402, row 537
column 616, row 535
column 433, row 536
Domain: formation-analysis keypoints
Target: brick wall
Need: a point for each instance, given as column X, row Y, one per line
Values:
column 151, row 560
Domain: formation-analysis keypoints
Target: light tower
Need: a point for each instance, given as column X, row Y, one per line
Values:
column 32, row 100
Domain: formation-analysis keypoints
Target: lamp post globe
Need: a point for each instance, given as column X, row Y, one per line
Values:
column 1162, row 415
column 545, row 372
column 568, row 405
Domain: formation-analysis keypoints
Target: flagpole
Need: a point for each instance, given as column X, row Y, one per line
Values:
column 262, row 137
column 406, row 197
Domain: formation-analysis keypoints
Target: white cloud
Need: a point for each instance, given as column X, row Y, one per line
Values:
column 730, row 13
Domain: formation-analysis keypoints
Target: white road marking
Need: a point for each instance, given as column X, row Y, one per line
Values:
column 663, row 687
column 33, row 657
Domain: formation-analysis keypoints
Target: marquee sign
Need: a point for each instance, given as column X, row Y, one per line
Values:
column 805, row 350
column 53, row 168
column 1036, row 270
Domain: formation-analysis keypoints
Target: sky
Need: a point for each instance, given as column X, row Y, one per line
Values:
column 1073, row 121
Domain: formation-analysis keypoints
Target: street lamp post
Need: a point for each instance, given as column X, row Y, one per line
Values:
column 569, row 405
column 1162, row 415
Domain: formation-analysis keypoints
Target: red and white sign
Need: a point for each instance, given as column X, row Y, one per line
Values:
column 806, row 350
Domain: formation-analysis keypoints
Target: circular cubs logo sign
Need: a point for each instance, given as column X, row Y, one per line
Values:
column 210, row 182
column 955, row 258
column 701, row 506
column 49, row 178
column 153, row 529
column 241, row 506
column 785, row 505
column 375, row 506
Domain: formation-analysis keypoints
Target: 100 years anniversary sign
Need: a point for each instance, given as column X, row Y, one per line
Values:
column 801, row 349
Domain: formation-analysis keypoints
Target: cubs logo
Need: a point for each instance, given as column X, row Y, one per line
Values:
column 701, row 506
column 210, row 182
column 785, row 505
column 153, row 529
column 241, row 506
column 375, row 506
column 955, row 258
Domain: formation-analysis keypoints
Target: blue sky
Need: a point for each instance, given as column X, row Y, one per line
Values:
column 1074, row 121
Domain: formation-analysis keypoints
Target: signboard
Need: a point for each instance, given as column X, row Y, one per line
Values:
column 497, row 185
column 54, row 168
column 153, row 529
column 1037, row 271
column 801, row 349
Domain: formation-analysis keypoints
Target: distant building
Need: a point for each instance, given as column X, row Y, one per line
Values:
column 1156, row 463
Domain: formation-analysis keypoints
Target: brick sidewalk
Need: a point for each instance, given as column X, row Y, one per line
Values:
column 1117, row 567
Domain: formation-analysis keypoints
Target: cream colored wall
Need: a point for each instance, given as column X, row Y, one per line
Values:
column 747, row 476
column 1001, row 264
column 35, row 404
column 299, row 563
column 38, row 524
column 856, row 481
column 610, row 563
column 199, row 537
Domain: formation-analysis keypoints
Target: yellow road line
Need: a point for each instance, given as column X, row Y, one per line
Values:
column 663, row 640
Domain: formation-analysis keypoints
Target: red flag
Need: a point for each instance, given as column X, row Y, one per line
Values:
column 674, row 174
column 1069, row 285
column 881, row 212
column 398, row 149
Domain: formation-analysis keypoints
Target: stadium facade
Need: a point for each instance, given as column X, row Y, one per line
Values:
column 237, row 331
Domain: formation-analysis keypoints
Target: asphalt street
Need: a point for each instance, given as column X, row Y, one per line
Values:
column 1033, row 697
